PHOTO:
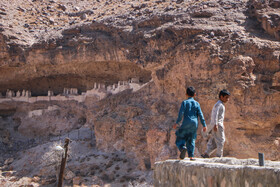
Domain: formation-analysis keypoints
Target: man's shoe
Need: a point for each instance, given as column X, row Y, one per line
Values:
column 192, row 158
column 205, row 155
column 183, row 153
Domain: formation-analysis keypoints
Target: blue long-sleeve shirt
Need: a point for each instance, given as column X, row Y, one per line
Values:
column 190, row 110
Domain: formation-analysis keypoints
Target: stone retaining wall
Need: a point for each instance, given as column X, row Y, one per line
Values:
column 224, row 172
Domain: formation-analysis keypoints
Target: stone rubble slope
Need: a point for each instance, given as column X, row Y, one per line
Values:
column 35, row 160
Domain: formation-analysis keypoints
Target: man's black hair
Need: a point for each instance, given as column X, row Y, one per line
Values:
column 223, row 93
column 190, row 91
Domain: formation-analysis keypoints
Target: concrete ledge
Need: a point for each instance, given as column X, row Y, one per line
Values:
column 224, row 172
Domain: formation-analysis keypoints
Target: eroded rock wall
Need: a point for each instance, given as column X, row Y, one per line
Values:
column 268, row 14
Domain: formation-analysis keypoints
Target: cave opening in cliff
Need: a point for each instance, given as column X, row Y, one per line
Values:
column 82, row 77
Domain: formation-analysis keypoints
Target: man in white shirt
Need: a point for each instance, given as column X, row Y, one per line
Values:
column 217, row 138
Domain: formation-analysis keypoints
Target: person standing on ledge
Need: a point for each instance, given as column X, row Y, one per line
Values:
column 217, row 138
column 186, row 133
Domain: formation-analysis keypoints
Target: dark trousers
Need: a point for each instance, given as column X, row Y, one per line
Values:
column 186, row 140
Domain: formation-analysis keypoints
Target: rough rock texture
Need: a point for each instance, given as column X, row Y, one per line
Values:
column 216, row 172
column 268, row 14
column 50, row 45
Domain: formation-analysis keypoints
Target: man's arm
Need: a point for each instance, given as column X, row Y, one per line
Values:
column 180, row 115
column 202, row 120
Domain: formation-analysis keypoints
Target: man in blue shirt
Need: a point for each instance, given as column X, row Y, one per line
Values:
column 186, row 134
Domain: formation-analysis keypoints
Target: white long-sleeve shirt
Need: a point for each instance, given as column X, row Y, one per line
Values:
column 218, row 114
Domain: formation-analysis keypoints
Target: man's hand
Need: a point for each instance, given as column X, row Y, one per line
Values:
column 204, row 129
column 215, row 128
column 175, row 126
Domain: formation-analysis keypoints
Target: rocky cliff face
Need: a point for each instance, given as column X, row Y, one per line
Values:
column 267, row 13
column 211, row 45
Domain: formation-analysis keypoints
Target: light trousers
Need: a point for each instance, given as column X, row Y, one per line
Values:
column 216, row 141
